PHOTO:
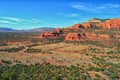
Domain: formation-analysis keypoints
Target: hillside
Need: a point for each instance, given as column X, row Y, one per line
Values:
column 84, row 51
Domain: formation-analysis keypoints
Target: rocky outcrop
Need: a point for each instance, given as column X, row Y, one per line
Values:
column 77, row 26
column 83, row 25
column 87, row 25
column 52, row 34
column 97, row 37
column 71, row 33
column 105, row 24
column 58, row 30
column 74, row 37
column 83, row 37
column 49, row 34
column 113, row 23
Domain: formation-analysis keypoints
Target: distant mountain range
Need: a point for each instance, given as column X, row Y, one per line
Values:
column 29, row 30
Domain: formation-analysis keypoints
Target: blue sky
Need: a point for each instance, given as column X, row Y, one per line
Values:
column 28, row 14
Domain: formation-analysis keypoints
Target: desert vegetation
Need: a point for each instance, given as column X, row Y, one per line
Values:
column 86, row 54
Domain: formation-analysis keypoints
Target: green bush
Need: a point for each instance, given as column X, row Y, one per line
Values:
column 32, row 50
column 13, row 49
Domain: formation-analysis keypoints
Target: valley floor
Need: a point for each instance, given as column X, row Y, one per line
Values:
column 95, row 60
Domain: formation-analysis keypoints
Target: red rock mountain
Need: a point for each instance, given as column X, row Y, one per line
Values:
column 71, row 33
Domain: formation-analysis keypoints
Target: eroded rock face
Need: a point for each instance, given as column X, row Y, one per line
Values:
column 80, row 35
column 83, row 25
column 75, row 37
column 87, row 25
column 114, row 23
column 77, row 26
column 49, row 34
column 83, row 37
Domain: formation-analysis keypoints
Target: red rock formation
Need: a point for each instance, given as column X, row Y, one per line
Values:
column 74, row 37
column 58, row 30
column 98, row 37
column 87, row 25
column 83, row 25
column 77, row 26
column 57, row 33
column 83, row 37
column 113, row 23
column 50, row 34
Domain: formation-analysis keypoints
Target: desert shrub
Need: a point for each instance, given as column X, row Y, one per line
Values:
column 51, row 40
column 6, row 61
column 13, row 49
column 3, row 44
column 33, row 45
column 118, row 47
column 45, row 71
column 110, row 52
column 32, row 50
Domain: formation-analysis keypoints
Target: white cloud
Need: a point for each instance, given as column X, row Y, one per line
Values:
column 109, row 6
column 6, row 22
column 60, row 13
column 20, row 20
column 72, row 15
column 96, row 8
column 69, row 15
column 13, row 19
column 36, row 21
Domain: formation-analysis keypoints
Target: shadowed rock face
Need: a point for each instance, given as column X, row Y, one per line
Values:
column 83, row 37
column 113, row 23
